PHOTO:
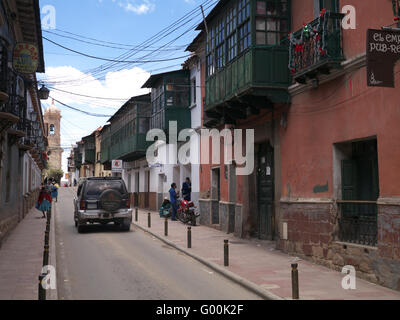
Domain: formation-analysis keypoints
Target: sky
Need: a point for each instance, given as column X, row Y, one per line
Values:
column 108, row 29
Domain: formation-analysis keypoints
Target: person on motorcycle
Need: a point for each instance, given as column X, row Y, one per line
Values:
column 173, row 196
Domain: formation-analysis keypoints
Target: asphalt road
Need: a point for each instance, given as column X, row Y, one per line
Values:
column 104, row 263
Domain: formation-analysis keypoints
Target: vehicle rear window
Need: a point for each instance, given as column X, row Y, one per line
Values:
column 96, row 188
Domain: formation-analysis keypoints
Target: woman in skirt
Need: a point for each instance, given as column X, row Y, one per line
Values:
column 44, row 202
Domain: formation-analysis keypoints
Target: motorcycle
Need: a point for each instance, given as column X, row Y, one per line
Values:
column 186, row 212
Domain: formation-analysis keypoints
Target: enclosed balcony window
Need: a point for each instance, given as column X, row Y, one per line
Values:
column 272, row 21
column 52, row 129
column 177, row 92
column 244, row 25
column 3, row 68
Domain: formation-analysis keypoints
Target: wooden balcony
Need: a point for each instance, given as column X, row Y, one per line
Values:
column 317, row 49
column 162, row 118
column 256, row 79
column 129, row 148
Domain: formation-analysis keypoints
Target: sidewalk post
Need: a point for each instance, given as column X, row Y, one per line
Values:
column 46, row 237
column 46, row 255
column 149, row 220
column 166, row 227
column 136, row 214
column 189, row 238
column 295, row 281
column 41, row 291
column 226, row 253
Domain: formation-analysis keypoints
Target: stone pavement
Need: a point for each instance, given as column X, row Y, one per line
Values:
column 21, row 258
column 259, row 262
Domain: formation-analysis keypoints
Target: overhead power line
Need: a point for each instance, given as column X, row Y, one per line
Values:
column 112, row 60
column 81, row 111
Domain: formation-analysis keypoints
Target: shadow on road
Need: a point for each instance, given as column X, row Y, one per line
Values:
column 96, row 228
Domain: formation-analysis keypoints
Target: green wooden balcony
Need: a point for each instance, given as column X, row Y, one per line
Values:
column 129, row 148
column 77, row 158
column 90, row 156
column 105, row 150
column 317, row 48
column 89, row 149
column 161, row 119
column 255, row 79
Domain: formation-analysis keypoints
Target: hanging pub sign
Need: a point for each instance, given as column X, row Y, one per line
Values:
column 25, row 58
column 383, row 51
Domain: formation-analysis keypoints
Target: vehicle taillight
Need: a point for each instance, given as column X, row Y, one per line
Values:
column 128, row 204
column 82, row 205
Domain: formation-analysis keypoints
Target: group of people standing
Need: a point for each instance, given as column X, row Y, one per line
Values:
column 48, row 192
column 172, row 205
column 173, row 195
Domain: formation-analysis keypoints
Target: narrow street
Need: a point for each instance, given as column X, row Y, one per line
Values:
column 104, row 263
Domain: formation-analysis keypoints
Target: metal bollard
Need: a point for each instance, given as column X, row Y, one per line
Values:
column 46, row 255
column 226, row 253
column 46, row 237
column 136, row 214
column 189, row 238
column 149, row 220
column 41, row 291
column 166, row 227
column 295, row 281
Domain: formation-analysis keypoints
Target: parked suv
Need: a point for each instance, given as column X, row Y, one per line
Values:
column 102, row 200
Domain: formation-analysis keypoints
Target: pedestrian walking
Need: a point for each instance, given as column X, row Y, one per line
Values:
column 187, row 190
column 54, row 191
column 44, row 201
column 173, row 196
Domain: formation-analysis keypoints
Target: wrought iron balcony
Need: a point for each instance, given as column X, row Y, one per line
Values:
column 317, row 48
column 358, row 222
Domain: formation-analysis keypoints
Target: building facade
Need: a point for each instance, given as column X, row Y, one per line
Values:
column 246, row 84
column 22, row 132
column 340, row 150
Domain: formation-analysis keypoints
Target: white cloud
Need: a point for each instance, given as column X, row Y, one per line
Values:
column 142, row 7
column 124, row 84
column 121, row 84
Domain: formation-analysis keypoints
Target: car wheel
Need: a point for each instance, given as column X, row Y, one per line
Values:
column 126, row 226
column 81, row 228
column 193, row 220
column 76, row 224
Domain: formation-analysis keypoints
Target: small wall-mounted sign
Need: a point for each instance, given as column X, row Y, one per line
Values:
column 25, row 58
column 117, row 166
column 383, row 51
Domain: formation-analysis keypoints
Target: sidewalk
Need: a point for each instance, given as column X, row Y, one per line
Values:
column 258, row 262
column 21, row 259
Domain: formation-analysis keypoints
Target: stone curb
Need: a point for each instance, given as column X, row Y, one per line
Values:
column 53, row 294
column 226, row 273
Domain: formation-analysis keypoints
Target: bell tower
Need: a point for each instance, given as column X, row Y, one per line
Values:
column 52, row 120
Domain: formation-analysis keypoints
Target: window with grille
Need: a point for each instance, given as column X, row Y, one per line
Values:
column 272, row 21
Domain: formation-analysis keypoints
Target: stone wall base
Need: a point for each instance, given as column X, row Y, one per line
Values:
column 7, row 225
column 312, row 236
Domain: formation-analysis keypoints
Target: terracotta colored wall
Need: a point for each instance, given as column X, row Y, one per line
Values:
column 341, row 110
column 334, row 115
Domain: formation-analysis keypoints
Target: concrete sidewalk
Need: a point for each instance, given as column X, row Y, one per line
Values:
column 257, row 262
column 21, row 259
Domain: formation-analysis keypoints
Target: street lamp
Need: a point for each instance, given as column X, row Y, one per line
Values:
column 44, row 93
column 34, row 115
column 36, row 125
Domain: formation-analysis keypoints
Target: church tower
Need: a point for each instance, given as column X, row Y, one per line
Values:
column 52, row 120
